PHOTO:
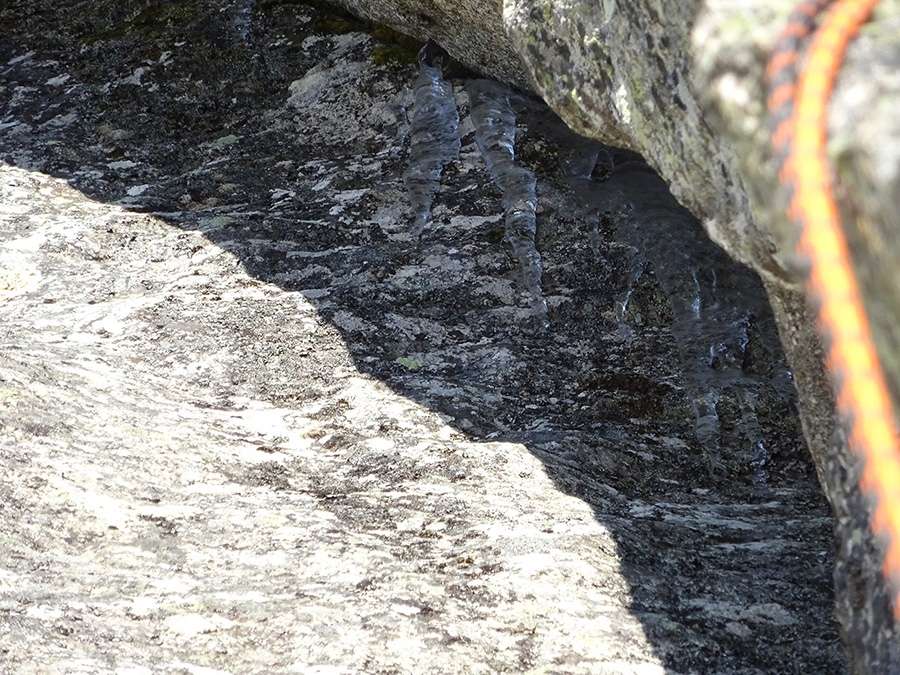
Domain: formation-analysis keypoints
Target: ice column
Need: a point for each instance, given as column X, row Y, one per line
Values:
column 495, row 132
column 713, row 299
column 434, row 135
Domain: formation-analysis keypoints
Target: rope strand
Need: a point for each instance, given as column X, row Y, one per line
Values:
column 798, row 107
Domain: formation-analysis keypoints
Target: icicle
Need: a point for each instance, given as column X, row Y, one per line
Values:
column 434, row 135
column 495, row 132
column 712, row 298
column 759, row 455
column 609, row 9
column 595, row 239
column 706, row 428
column 579, row 162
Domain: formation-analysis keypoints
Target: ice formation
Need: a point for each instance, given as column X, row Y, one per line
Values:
column 434, row 135
column 713, row 299
column 242, row 13
column 495, row 131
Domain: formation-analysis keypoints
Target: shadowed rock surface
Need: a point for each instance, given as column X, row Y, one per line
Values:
column 682, row 82
column 248, row 426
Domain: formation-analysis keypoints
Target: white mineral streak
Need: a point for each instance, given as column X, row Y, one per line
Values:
column 495, row 133
column 434, row 138
column 622, row 105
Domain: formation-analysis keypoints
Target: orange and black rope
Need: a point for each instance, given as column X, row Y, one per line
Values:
column 798, row 105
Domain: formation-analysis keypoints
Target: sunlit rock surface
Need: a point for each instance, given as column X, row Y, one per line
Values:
column 247, row 428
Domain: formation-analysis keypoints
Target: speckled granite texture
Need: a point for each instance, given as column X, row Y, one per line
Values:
column 248, row 426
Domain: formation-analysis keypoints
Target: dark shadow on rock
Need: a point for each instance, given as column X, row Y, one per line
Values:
column 187, row 111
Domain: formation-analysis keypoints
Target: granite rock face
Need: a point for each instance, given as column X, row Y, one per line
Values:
column 682, row 83
column 249, row 424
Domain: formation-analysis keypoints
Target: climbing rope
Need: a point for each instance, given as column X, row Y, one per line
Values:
column 798, row 105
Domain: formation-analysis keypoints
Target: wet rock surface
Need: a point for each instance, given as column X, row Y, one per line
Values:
column 250, row 424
